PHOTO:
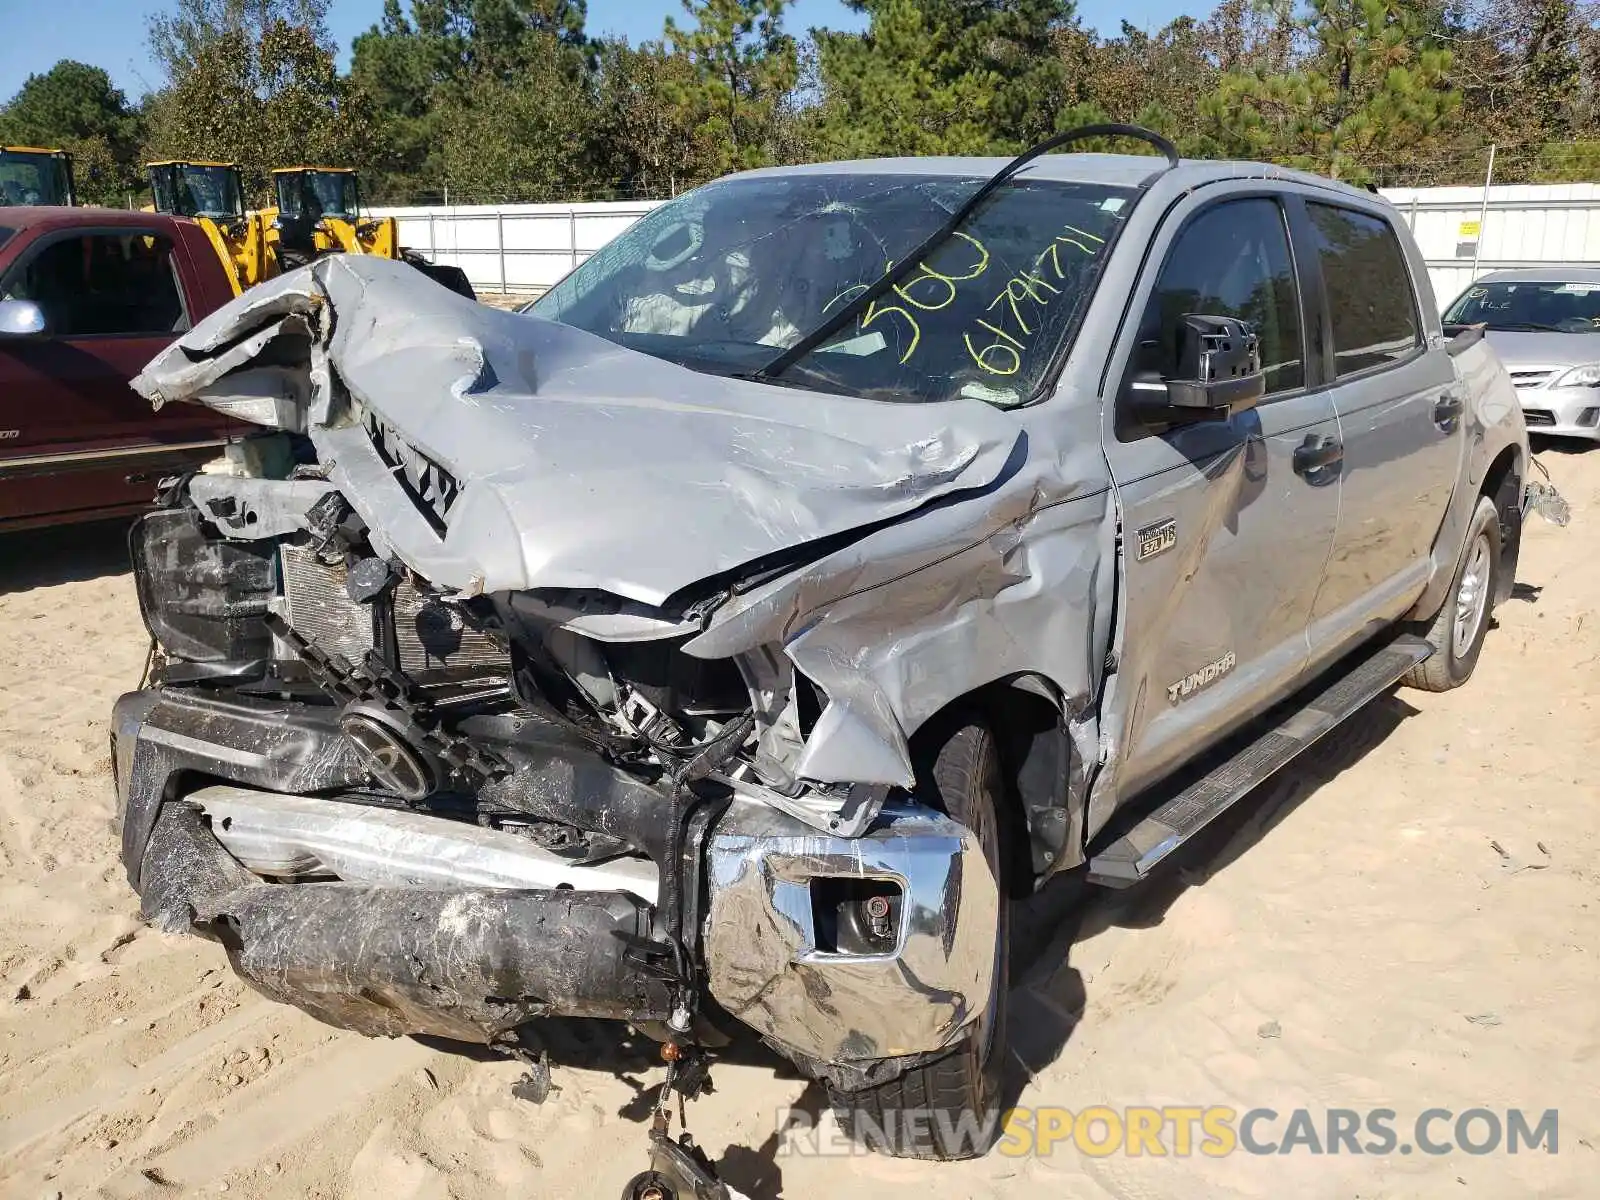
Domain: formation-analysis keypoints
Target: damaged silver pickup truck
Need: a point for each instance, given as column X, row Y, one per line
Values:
column 821, row 566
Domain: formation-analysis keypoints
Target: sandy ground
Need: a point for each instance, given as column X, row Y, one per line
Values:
column 1408, row 920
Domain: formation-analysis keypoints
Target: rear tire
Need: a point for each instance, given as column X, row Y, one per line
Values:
column 1456, row 633
column 948, row 1109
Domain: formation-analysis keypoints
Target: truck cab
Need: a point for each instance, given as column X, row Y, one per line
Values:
column 87, row 297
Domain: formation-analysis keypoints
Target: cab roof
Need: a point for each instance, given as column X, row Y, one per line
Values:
column 325, row 170
column 32, row 149
column 1113, row 170
column 61, row 216
column 189, row 162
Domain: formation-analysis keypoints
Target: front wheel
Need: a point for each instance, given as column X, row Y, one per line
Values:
column 949, row 1108
column 1456, row 633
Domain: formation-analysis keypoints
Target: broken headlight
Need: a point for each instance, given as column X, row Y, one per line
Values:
column 203, row 599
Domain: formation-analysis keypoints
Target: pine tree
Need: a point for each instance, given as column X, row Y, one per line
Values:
column 1373, row 88
column 744, row 67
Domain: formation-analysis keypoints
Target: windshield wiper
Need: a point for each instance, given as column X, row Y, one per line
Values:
column 782, row 362
column 1528, row 326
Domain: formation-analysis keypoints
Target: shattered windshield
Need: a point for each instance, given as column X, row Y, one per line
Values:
column 722, row 278
column 1549, row 307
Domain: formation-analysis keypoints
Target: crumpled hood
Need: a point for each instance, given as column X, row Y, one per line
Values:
column 580, row 464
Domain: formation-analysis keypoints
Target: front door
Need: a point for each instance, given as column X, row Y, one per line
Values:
column 1226, row 526
column 76, row 432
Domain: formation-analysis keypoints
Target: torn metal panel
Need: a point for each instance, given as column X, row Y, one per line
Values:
column 900, row 624
column 256, row 508
column 571, row 452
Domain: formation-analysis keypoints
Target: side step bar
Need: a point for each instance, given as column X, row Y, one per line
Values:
column 1132, row 857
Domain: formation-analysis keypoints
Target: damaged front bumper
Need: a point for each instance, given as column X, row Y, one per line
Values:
column 841, row 951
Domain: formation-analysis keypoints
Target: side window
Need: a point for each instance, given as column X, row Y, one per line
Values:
column 1230, row 261
column 1369, row 290
column 103, row 283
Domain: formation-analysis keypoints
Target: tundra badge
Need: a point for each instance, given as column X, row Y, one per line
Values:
column 1157, row 538
column 1203, row 678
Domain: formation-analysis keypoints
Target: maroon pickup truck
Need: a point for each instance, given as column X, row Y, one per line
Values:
column 87, row 297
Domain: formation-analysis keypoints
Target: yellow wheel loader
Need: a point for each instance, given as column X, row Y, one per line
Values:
column 212, row 195
column 319, row 212
column 34, row 175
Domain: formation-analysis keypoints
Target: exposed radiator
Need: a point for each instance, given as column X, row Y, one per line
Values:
column 318, row 608
column 430, row 635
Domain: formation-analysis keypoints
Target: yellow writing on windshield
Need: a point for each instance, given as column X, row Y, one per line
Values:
column 1020, row 303
column 942, row 296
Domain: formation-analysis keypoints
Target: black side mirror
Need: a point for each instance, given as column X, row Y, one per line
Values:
column 1215, row 371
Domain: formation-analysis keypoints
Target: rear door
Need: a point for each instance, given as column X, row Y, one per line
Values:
column 1227, row 525
column 1401, row 418
column 80, row 440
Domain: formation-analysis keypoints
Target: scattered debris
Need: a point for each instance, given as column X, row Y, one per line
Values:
column 1487, row 1018
column 535, row 1086
column 1270, row 1029
column 23, row 993
column 426, row 1078
column 1498, row 848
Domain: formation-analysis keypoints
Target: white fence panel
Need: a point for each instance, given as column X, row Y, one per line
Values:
column 514, row 247
column 1522, row 225
column 529, row 247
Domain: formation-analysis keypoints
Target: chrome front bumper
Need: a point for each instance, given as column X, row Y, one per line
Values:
column 226, row 848
column 762, row 949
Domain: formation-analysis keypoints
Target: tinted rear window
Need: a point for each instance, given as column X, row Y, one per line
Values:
column 1369, row 290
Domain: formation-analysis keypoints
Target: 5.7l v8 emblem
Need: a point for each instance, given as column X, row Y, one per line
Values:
column 1156, row 539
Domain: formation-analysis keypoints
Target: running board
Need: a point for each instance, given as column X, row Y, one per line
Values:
column 1131, row 858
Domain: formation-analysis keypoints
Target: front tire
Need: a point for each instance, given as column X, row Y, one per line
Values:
column 1457, row 632
column 948, row 1108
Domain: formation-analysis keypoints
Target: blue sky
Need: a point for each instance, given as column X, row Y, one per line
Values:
column 34, row 34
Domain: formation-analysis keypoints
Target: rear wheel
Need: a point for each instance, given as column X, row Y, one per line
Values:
column 1456, row 633
column 949, row 1108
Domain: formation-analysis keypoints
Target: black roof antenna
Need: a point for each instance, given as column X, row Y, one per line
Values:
column 908, row 263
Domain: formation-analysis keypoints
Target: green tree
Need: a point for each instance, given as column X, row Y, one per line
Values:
column 450, row 81
column 254, row 82
column 1552, row 77
column 75, row 107
column 1373, row 90
column 647, row 140
column 744, row 68
column 946, row 77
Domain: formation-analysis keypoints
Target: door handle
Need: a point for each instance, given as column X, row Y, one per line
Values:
column 1315, row 455
column 1447, row 412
